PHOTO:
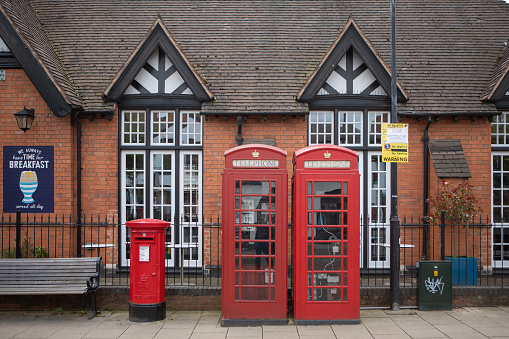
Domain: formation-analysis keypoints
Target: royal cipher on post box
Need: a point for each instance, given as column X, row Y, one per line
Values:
column 255, row 232
column 147, row 287
column 326, row 231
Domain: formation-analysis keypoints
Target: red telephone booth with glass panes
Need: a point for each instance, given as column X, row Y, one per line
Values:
column 326, row 219
column 255, row 232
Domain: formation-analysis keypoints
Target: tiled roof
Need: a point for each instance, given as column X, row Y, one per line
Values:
column 31, row 32
column 448, row 159
column 501, row 70
column 255, row 56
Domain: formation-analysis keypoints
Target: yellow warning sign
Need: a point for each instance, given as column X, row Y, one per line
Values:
column 394, row 142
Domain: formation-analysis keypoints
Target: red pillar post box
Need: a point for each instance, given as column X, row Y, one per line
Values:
column 147, row 288
column 255, row 231
column 326, row 235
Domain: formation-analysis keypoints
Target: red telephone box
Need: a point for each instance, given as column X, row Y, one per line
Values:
column 147, row 293
column 255, row 232
column 326, row 235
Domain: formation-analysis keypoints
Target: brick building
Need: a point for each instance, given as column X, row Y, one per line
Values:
column 137, row 102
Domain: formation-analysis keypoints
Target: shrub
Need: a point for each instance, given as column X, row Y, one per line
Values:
column 458, row 202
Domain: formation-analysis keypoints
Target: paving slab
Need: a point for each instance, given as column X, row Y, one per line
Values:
column 321, row 331
column 463, row 323
column 245, row 332
column 358, row 331
column 280, row 335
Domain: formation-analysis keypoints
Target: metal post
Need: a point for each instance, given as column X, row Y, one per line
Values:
column 442, row 235
column 78, row 184
column 394, row 222
column 18, row 234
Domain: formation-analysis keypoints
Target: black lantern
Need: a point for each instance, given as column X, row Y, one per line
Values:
column 25, row 118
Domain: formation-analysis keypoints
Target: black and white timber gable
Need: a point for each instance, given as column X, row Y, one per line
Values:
column 350, row 74
column 158, row 76
column 158, row 73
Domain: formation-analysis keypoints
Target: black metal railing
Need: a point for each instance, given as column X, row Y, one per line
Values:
column 199, row 262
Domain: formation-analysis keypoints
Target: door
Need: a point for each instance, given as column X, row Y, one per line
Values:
column 256, row 230
column 329, row 273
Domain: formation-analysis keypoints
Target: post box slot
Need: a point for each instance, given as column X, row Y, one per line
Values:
column 144, row 239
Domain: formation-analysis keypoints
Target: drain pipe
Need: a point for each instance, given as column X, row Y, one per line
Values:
column 425, row 139
column 78, row 184
column 239, row 130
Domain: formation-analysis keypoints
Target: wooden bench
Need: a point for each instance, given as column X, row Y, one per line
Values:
column 50, row 276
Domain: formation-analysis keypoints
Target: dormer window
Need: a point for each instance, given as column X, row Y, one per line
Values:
column 159, row 97
column 348, row 96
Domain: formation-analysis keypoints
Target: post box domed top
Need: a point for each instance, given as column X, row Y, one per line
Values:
column 325, row 156
column 147, row 223
column 257, row 156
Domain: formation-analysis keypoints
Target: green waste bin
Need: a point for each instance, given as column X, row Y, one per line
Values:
column 435, row 285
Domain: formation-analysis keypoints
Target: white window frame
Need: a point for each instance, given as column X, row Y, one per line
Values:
column 195, row 125
column 153, row 124
column 378, row 225
column 192, row 224
column 324, row 123
column 175, row 150
column 123, row 132
column 500, row 144
column 347, row 123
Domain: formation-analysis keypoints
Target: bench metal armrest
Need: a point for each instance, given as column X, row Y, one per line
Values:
column 93, row 283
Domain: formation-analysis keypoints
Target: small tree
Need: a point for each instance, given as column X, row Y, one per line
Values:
column 458, row 202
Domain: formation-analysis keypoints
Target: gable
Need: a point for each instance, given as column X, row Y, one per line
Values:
column 351, row 67
column 158, row 76
column 158, row 67
column 352, row 76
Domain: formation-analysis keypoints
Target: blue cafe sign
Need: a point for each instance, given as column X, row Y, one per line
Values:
column 28, row 173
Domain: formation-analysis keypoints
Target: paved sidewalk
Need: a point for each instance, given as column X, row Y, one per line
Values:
column 464, row 323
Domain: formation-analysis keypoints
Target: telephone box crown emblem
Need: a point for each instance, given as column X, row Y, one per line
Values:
column 256, row 154
column 327, row 155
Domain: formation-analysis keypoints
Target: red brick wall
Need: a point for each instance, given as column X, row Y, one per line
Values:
column 47, row 130
column 99, row 144
column 219, row 136
column 475, row 138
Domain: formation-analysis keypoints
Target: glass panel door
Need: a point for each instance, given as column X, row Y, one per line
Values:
column 255, row 229
column 500, row 209
column 378, row 181
column 327, row 241
column 191, row 232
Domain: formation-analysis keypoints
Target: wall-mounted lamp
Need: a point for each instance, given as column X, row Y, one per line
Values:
column 25, row 118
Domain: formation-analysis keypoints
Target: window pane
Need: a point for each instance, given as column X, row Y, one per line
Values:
column 350, row 128
column 133, row 125
column 162, row 127
column 191, row 128
column 320, row 128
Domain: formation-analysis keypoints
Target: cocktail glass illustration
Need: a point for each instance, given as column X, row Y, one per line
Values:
column 28, row 184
